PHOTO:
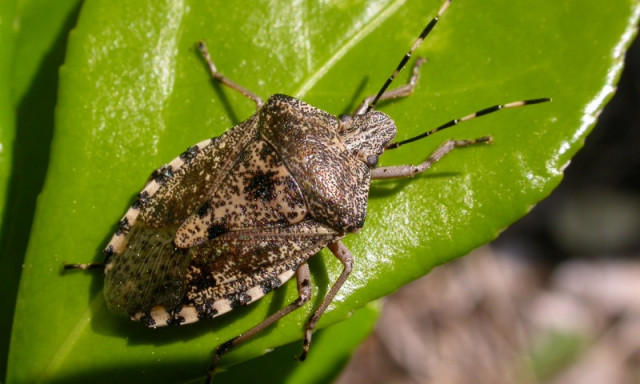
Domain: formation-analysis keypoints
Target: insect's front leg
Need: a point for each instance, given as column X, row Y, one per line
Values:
column 402, row 91
column 340, row 251
column 303, row 277
column 400, row 171
column 225, row 80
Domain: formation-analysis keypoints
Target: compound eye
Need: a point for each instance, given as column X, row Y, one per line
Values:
column 372, row 161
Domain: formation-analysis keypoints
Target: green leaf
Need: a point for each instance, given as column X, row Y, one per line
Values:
column 134, row 93
column 7, row 133
column 7, row 118
column 30, row 62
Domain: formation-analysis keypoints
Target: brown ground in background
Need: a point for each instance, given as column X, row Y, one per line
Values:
column 481, row 318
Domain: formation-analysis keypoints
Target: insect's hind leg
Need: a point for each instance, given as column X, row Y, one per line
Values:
column 225, row 80
column 401, row 171
column 303, row 277
column 341, row 252
column 402, row 91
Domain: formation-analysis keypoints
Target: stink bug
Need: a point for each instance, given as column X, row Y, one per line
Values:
column 236, row 216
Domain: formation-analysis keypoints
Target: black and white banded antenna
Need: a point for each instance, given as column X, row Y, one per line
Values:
column 381, row 93
column 407, row 56
column 472, row 116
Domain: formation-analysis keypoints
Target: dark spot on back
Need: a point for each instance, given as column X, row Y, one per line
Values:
column 215, row 231
column 201, row 278
column 202, row 211
column 265, row 152
column 261, row 186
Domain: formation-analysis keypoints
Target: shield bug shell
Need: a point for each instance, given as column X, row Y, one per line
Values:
column 236, row 216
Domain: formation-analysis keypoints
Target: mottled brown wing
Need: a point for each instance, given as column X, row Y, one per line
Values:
column 150, row 272
column 258, row 192
column 239, row 268
column 248, row 264
column 142, row 265
column 180, row 188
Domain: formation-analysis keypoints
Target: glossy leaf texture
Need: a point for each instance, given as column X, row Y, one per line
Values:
column 35, row 34
column 134, row 93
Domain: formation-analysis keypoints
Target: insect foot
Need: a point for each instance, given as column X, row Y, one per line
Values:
column 234, row 217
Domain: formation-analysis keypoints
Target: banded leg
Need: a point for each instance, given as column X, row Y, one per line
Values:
column 303, row 278
column 340, row 251
column 402, row 91
column 225, row 80
column 400, row 171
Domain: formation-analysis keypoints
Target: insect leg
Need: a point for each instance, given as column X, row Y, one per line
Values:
column 412, row 170
column 225, row 80
column 400, row 171
column 425, row 32
column 303, row 278
column 402, row 91
column 342, row 253
column 66, row 267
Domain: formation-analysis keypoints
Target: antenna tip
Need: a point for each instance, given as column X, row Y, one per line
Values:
column 538, row 101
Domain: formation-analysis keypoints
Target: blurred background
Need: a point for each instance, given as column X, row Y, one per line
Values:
column 555, row 299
